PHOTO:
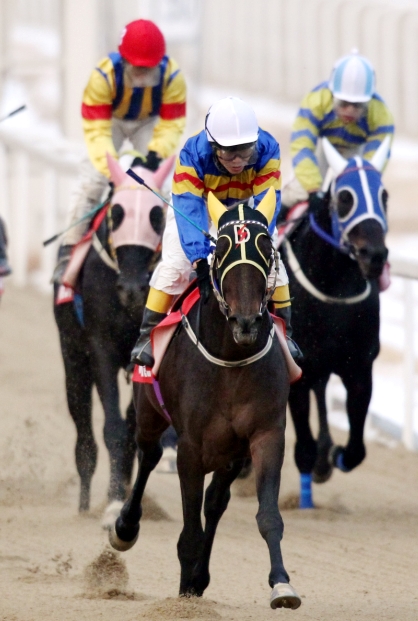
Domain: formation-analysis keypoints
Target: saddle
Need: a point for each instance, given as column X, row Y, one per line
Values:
column 162, row 334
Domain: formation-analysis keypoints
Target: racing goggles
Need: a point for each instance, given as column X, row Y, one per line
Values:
column 360, row 106
column 247, row 153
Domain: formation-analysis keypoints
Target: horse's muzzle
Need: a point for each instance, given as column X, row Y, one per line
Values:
column 371, row 261
column 245, row 329
column 132, row 296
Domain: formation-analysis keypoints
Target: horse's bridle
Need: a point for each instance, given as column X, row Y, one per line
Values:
column 215, row 267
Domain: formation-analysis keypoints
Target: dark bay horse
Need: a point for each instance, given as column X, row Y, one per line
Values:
column 334, row 259
column 227, row 400
column 97, row 331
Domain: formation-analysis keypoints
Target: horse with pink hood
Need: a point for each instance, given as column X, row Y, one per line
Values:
column 98, row 319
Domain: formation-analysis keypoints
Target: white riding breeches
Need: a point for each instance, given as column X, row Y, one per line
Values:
column 293, row 192
column 172, row 274
column 91, row 186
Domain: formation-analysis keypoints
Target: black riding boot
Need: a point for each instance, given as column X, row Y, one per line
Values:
column 63, row 259
column 5, row 268
column 142, row 352
column 285, row 314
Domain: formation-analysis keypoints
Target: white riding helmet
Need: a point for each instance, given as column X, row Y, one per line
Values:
column 231, row 122
column 353, row 79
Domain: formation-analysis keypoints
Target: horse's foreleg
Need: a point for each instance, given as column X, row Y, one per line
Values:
column 323, row 467
column 115, row 428
column 79, row 385
column 306, row 446
column 125, row 531
column 359, row 393
column 190, row 543
column 217, row 497
column 130, row 449
column 267, row 452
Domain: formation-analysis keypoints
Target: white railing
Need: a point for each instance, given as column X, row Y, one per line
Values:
column 408, row 271
column 34, row 176
column 34, row 193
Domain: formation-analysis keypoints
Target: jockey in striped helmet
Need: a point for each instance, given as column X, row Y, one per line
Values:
column 137, row 93
column 348, row 111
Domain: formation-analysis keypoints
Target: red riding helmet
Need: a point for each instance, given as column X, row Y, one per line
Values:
column 142, row 43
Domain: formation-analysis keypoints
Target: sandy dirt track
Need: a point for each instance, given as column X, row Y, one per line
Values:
column 352, row 559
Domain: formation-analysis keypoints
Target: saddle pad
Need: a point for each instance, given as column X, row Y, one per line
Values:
column 162, row 334
column 80, row 251
column 295, row 212
column 295, row 372
column 64, row 295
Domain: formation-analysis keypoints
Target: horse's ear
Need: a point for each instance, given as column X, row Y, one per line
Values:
column 215, row 208
column 267, row 204
column 335, row 160
column 117, row 175
column 379, row 158
column 163, row 171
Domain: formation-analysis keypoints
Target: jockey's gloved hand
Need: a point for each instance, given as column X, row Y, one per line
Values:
column 315, row 200
column 203, row 279
column 152, row 161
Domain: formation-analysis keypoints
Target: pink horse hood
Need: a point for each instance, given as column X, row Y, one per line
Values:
column 138, row 208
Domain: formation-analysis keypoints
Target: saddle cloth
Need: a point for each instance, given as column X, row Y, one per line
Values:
column 78, row 256
column 162, row 334
column 294, row 212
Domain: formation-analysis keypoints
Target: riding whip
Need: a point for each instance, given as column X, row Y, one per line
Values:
column 13, row 112
column 140, row 180
column 87, row 215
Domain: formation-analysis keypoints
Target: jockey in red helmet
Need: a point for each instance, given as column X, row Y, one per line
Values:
column 137, row 93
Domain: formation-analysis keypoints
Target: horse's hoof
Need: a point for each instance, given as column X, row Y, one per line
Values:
column 118, row 544
column 336, row 457
column 284, row 595
column 111, row 514
column 322, row 477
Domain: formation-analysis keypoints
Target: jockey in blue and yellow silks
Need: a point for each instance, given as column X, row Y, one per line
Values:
column 237, row 161
column 349, row 113
column 139, row 94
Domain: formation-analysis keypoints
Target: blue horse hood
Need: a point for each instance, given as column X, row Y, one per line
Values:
column 364, row 183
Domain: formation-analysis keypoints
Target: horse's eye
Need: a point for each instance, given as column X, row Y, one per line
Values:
column 156, row 218
column 264, row 245
column 222, row 246
column 384, row 197
column 118, row 215
column 345, row 202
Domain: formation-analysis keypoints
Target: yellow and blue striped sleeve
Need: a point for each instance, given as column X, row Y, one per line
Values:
column 305, row 132
column 171, row 124
column 96, row 112
column 380, row 121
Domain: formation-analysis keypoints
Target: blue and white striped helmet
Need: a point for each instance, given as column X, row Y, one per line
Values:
column 353, row 79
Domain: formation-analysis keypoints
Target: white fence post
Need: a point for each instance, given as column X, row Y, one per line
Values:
column 49, row 228
column 409, row 365
column 19, row 235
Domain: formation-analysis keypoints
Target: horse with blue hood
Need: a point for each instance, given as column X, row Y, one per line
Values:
column 336, row 260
